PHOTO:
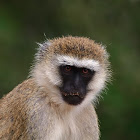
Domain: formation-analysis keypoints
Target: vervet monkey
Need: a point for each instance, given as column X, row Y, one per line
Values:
column 55, row 102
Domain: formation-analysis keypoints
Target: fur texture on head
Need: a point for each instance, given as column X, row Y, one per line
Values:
column 74, row 51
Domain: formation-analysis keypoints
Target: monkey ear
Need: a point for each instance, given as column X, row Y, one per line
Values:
column 41, row 50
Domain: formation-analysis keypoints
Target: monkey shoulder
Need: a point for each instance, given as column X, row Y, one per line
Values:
column 17, row 109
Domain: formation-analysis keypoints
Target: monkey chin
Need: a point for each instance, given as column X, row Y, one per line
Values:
column 73, row 98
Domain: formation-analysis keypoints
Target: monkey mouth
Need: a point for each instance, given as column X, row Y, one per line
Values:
column 73, row 94
column 74, row 98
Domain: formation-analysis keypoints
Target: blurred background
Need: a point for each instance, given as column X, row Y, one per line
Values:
column 115, row 24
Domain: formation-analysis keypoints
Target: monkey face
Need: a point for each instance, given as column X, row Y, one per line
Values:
column 74, row 83
column 73, row 69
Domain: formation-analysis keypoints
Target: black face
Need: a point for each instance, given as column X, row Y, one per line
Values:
column 75, row 81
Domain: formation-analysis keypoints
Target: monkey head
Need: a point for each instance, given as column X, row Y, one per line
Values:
column 74, row 69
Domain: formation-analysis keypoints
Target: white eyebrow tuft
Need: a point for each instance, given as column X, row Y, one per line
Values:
column 85, row 63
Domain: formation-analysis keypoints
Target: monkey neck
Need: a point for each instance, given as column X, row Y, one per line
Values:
column 50, row 96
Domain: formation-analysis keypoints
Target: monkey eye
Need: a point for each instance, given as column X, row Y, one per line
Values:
column 85, row 71
column 67, row 68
